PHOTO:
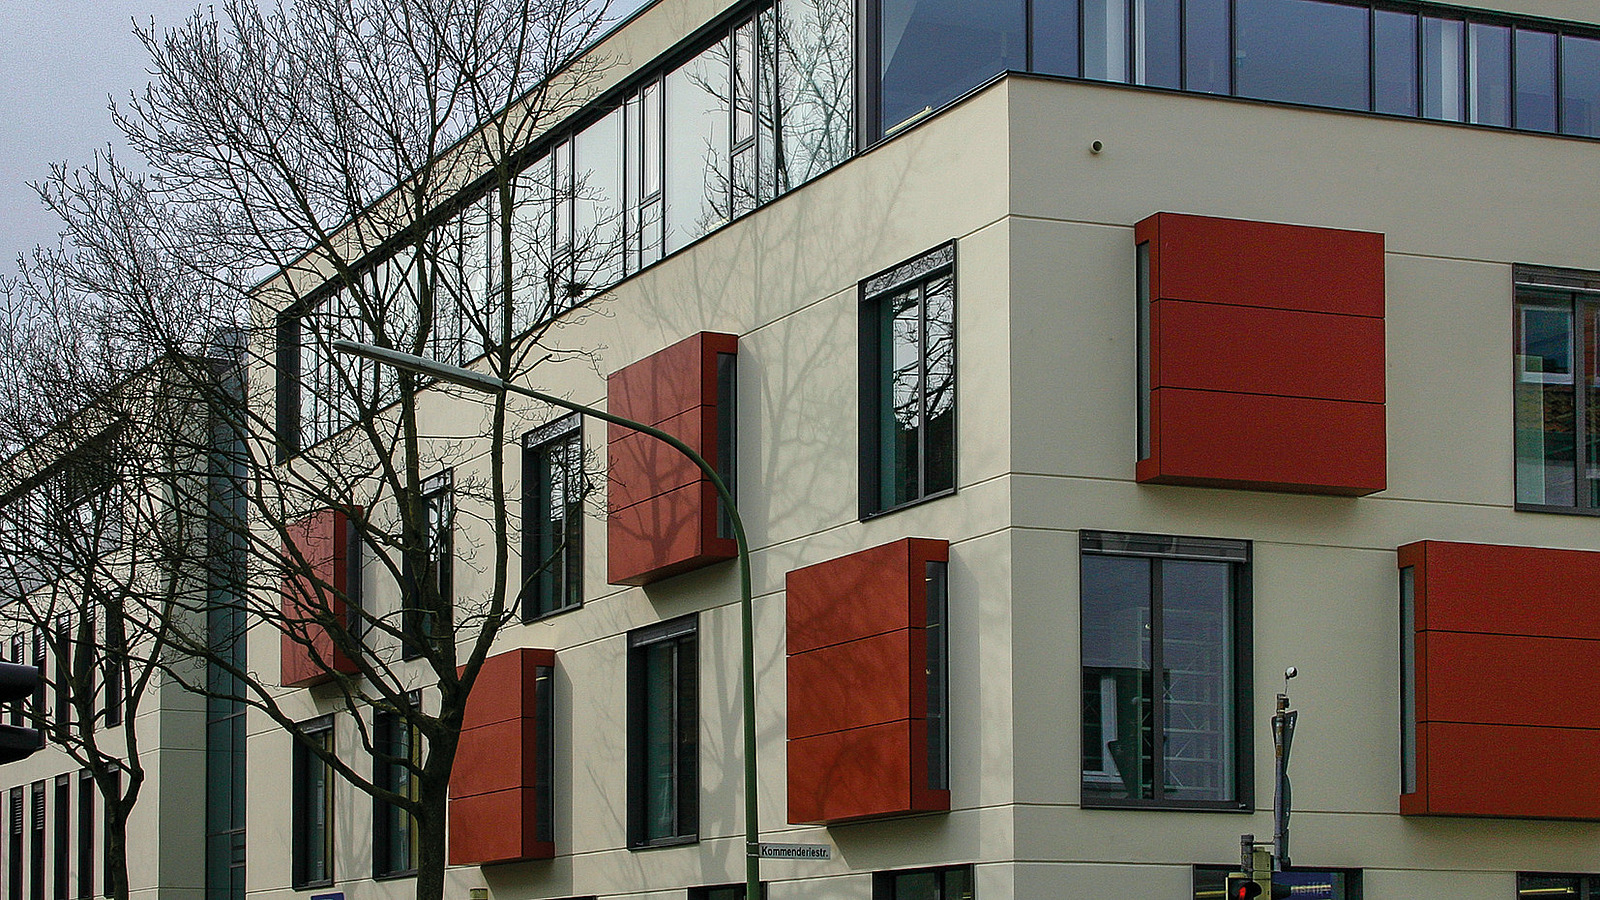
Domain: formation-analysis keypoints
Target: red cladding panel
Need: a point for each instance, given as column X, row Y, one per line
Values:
column 1508, row 647
column 316, row 559
column 1266, row 356
column 493, row 788
column 857, row 682
column 1263, row 442
column 663, row 512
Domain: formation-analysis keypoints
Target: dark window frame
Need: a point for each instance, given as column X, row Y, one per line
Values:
column 936, row 575
column 36, row 840
column 683, row 635
column 917, row 273
column 557, row 587
column 886, row 885
column 544, row 811
column 87, row 801
column 62, row 824
column 301, row 830
column 1239, row 555
column 389, row 729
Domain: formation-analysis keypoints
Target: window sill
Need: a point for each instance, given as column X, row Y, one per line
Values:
column 929, row 498
column 540, row 617
column 394, row 876
column 1224, row 806
column 664, row 843
column 312, row 885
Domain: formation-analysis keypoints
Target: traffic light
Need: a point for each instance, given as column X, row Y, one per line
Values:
column 1241, row 886
column 17, row 683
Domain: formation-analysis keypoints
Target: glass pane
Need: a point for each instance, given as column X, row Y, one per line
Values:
column 916, row 886
column 932, row 51
column 939, row 440
column 1408, row 680
column 1055, row 37
column 1545, row 416
column 1303, row 51
column 900, row 393
column 660, row 742
column 1105, row 39
column 936, row 582
column 1156, row 50
column 1536, row 80
column 1118, row 742
column 1206, row 36
column 1489, row 60
column 1143, row 352
column 1197, row 657
column 744, row 82
column 532, row 241
column 1580, row 85
column 1443, row 69
column 597, row 189
column 1591, row 399
column 1394, row 41
column 698, row 111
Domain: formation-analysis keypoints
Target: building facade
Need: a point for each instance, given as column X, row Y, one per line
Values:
column 1080, row 366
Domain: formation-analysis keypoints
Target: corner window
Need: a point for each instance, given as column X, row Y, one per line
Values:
column 1555, row 389
column 948, row 883
column 313, row 808
column 1544, row 886
column 553, row 487
column 394, row 829
column 434, row 588
column 1166, row 663
column 908, row 383
column 663, row 734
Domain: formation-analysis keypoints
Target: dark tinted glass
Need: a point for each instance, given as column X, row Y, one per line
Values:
column 932, row 51
column 1055, row 37
column 939, row 391
column 1205, row 46
column 1536, row 80
column 1118, row 743
column 1303, row 51
column 1580, row 85
column 1489, row 98
column 1394, row 40
column 1157, row 43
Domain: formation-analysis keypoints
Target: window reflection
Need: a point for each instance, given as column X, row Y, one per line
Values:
column 1302, row 51
column 1536, row 80
column 931, row 51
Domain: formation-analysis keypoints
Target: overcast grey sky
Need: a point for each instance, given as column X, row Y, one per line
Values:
column 61, row 61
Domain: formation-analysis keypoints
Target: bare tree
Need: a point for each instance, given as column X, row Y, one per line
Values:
column 318, row 170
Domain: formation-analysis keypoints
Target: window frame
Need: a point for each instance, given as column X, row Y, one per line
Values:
column 914, row 274
column 885, row 884
column 1542, row 288
column 301, row 831
column 683, row 633
column 1239, row 556
column 389, row 728
column 540, row 590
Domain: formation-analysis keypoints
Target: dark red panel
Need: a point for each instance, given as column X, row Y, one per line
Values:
column 663, row 511
column 493, row 787
column 488, row 829
column 1511, row 590
column 318, row 543
column 1515, row 772
column 1214, row 439
column 1255, row 350
column 861, row 773
column 666, row 536
column 869, row 592
column 1243, row 263
column 1513, row 680
column 857, row 683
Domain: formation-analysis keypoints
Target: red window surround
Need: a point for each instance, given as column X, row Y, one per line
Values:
column 494, row 787
column 1507, row 648
column 858, row 685
column 1265, row 357
column 662, row 511
column 321, row 562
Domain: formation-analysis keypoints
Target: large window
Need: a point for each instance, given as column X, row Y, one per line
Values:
column 948, row 883
column 553, row 489
column 398, row 751
column 433, row 589
column 1166, row 662
column 663, row 734
column 908, row 382
column 313, row 808
column 1557, row 413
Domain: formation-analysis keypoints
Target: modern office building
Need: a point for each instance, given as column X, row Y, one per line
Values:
column 1080, row 365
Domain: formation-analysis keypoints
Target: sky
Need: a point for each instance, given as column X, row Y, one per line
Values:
column 62, row 60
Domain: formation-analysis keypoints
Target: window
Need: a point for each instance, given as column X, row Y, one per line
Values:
column 1545, row 886
column 313, row 808
column 1557, row 413
column 544, row 731
column 63, row 677
column 948, row 883
column 398, row 748
column 1165, row 648
column 36, row 841
column 63, row 836
column 937, row 634
column 908, row 381
column 1329, row 884
column 1408, row 680
column 14, row 847
column 663, row 734
column 554, row 487
column 86, row 805
column 108, row 804
column 434, row 589
column 722, row 892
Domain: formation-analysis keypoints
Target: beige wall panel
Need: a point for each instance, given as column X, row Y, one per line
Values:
column 1048, row 880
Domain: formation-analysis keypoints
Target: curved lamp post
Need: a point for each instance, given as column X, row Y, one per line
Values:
column 488, row 384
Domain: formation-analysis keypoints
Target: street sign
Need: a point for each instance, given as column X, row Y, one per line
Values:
column 794, row 851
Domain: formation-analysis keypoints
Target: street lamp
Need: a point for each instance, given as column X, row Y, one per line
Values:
column 488, row 384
